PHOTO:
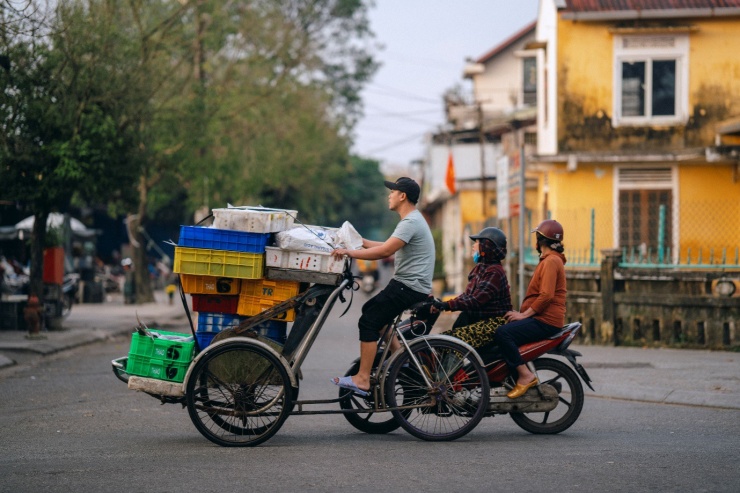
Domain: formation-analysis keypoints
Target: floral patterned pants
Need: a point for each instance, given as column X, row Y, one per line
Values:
column 477, row 334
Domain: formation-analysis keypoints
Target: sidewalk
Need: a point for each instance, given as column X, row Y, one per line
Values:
column 671, row 376
column 91, row 322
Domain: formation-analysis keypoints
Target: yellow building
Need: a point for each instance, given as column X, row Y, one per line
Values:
column 638, row 129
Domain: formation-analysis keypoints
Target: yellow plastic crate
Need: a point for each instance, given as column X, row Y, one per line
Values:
column 226, row 263
column 209, row 285
column 253, row 305
column 268, row 289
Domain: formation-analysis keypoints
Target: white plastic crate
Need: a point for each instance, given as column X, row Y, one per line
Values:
column 312, row 261
column 253, row 219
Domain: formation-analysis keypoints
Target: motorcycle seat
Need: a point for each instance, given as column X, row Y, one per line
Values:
column 567, row 328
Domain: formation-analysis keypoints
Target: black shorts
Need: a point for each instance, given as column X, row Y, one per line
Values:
column 381, row 309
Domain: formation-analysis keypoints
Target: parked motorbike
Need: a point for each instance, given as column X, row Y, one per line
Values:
column 70, row 286
column 369, row 275
column 548, row 408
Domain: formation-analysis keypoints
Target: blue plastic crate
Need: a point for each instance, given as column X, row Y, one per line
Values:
column 222, row 239
column 204, row 339
column 210, row 324
column 274, row 329
column 216, row 322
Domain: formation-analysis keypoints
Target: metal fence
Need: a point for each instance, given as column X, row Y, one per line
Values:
column 707, row 235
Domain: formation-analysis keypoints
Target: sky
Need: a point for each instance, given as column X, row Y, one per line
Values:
column 424, row 47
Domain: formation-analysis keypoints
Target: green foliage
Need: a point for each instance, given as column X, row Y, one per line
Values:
column 54, row 237
column 160, row 107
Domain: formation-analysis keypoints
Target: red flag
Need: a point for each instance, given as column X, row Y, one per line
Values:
column 450, row 177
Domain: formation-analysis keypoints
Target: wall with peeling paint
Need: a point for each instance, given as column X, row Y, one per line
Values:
column 572, row 196
column 585, row 88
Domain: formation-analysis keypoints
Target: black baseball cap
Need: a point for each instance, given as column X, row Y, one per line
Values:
column 407, row 186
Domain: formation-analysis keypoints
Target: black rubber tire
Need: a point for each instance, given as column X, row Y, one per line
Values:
column 239, row 377
column 460, row 390
column 552, row 371
column 374, row 423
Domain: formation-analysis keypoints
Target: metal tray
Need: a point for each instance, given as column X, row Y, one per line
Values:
column 279, row 274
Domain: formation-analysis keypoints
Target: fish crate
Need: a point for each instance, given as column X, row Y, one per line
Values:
column 171, row 371
column 254, row 219
column 310, row 261
column 254, row 305
column 272, row 329
column 208, row 262
column 192, row 284
column 215, row 303
column 268, row 289
column 171, row 346
column 222, row 239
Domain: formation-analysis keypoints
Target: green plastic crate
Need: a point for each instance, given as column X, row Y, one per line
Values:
column 171, row 371
column 162, row 349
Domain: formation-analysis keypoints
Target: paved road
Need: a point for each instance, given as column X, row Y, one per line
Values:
column 699, row 378
column 66, row 424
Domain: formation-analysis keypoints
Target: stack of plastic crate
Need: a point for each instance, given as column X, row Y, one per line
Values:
column 222, row 268
column 160, row 355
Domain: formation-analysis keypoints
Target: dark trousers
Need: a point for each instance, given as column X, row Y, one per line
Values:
column 382, row 308
column 510, row 336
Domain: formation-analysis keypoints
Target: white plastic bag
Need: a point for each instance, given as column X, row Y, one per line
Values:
column 319, row 238
column 307, row 239
column 348, row 237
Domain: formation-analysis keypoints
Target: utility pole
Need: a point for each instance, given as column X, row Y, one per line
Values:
column 522, row 210
column 482, row 139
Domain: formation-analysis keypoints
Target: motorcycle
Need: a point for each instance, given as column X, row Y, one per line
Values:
column 369, row 275
column 548, row 408
column 70, row 286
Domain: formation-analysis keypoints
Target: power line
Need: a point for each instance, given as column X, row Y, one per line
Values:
column 402, row 116
column 392, row 113
column 397, row 143
column 400, row 94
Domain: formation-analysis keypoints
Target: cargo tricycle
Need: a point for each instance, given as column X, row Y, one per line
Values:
column 241, row 388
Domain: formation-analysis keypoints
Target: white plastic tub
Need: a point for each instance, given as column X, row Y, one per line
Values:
column 311, row 261
column 254, row 219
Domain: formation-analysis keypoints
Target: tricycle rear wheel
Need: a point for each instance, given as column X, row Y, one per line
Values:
column 239, row 395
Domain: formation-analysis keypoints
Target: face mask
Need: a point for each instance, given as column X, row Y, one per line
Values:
column 476, row 257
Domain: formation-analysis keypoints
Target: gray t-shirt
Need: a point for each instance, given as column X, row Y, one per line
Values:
column 415, row 260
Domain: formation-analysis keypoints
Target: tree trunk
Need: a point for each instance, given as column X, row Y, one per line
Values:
column 144, row 292
column 38, row 239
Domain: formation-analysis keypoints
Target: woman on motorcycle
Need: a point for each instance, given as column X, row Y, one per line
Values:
column 487, row 296
column 542, row 313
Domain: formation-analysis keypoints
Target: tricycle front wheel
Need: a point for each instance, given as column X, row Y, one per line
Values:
column 238, row 395
column 445, row 396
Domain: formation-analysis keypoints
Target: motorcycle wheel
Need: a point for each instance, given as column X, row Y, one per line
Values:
column 373, row 423
column 570, row 396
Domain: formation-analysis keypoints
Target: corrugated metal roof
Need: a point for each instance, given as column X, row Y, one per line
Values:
column 640, row 5
column 510, row 41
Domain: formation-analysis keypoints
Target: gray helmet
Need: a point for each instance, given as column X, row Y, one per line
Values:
column 495, row 235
